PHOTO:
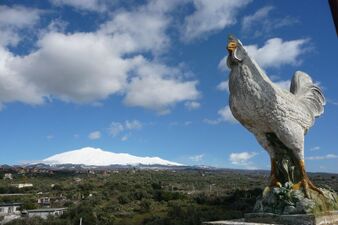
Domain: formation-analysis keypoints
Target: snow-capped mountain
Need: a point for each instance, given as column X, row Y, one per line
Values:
column 98, row 157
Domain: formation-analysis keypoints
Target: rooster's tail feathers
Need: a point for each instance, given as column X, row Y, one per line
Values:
column 307, row 92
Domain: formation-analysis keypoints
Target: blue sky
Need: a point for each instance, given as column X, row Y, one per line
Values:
column 147, row 77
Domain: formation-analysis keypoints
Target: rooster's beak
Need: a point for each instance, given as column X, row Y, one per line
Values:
column 232, row 46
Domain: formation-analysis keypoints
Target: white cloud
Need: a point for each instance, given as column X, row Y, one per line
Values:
column 225, row 115
column 192, row 105
column 333, row 102
column 119, row 127
column 197, row 158
column 241, row 158
column 284, row 84
column 223, row 86
column 124, row 138
column 13, row 19
column 100, row 64
column 94, row 135
column 222, row 65
column 18, row 16
column 155, row 89
column 212, row 122
column 211, row 16
column 262, row 23
column 316, row 148
column 325, row 157
column 143, row 29
column 50, row 137
column 73, row 75
column 185, row 123
column 13, row 86
column 91, row 5
column 249, row 21
column 116, row 128
column 174, row 123
column 133, row 125
column 277, row 52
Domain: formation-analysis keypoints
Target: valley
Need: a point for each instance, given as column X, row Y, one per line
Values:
column 134, row 195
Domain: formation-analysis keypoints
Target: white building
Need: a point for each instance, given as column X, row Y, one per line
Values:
column 9, row 208
column 8, row 176
column 25, row 185
column 44, row 213
column 9, row 211
column 44, row 201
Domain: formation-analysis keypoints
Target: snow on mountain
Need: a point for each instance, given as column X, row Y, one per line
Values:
column 98, row 157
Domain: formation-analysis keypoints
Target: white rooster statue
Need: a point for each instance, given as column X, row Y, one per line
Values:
column 278, row 118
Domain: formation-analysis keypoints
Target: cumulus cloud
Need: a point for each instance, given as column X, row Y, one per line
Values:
column 316, row 148
column 211, row 16
column 192, row 105
column 14, row 19
column 155, row 88
column 14, row 86
column 117, row 128
column 277, row 52
column 96, row 65
column 197, row 158
column 18, row 16
column 225, row 115
column 91, row 5
column 222, row 65
column 125, row 138
column 185, row 123
column 249, row 21
column 133, row 125
column 241, row 158
column 285, row 84
column 143, row 29
column 223, row 86
column 324, row 157
column 274, row 53
column 333, row 102
column 87, row 72
column 50, row 137
column 94, row 135
column 263, row 23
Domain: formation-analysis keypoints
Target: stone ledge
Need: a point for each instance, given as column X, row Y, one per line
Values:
column 235, row 223
column 330, row 218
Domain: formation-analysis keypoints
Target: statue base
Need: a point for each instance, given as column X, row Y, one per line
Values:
column 286, row 201
column 329, row 218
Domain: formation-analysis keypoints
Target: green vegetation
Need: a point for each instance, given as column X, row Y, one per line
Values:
column 142, row 197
